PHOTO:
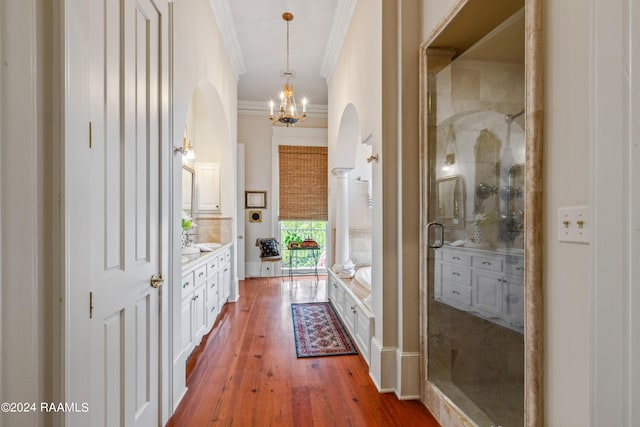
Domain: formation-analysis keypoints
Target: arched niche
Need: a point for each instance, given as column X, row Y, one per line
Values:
column 351, row 153
column 348, row 138
column 207, row 128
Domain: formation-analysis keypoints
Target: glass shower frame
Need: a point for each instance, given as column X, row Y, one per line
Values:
column 443, row 406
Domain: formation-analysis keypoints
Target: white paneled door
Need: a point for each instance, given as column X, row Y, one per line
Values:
column 124, row 212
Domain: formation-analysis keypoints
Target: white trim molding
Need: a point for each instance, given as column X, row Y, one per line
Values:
column 408, row 375
column 614, row 317
column 382, row 369
column 227, row 28
column 337, row 34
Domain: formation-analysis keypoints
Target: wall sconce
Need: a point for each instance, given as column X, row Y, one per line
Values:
column 186, row 150
column 372, row 157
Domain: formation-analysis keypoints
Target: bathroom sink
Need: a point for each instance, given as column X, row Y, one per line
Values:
column 190, row 250
column 208, row 247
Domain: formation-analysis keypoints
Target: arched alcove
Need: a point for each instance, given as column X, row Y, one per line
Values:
column 208, row 130
column 348, row 137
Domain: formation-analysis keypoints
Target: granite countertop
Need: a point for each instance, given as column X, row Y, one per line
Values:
column 192, row 258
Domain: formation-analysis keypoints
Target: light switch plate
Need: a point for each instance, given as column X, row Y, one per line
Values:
column 574, row 224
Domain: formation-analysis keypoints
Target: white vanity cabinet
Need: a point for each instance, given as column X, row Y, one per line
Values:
column 207, row 187
column 355, row 316
column 204, row 292
column 224, row 274
column 488, row 284
column 193, row 306
column 213, row 292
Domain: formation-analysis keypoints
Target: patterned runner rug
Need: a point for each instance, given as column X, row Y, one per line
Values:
column 319, row 332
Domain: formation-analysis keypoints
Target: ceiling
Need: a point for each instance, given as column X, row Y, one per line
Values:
column 261, row 42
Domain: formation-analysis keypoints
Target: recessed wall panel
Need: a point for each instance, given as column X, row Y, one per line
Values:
column 142, row 373
column 112, row 140
column 142, row 136
column 114, row 369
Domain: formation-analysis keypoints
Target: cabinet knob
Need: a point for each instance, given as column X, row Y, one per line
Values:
column 455, row 292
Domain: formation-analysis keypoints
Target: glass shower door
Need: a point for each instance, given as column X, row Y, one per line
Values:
column 475, row 304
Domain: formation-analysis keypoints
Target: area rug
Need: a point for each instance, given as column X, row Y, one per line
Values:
column 319, row 332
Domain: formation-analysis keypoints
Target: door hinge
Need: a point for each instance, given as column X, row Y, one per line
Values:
column 90, row 135
column 90, row 305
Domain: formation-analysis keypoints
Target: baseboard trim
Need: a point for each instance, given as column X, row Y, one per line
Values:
column 382, row 368
column 408, row 374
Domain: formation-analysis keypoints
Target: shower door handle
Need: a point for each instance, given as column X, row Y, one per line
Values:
column 438, row 242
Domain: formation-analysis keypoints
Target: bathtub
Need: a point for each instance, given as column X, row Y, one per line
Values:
column 363, row 276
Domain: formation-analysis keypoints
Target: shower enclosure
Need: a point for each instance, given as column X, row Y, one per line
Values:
column 475, row 158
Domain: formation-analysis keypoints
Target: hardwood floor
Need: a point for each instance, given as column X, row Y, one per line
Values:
column 247, row 373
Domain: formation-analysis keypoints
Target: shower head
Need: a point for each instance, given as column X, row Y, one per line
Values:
column 509, row 118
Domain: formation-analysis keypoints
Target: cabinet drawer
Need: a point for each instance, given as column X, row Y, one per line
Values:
column 187, row 284
column 455, row 257
column 456, row 273
column 487, row 263
column 457, row 294
column 200, row 275
column 514, row 265
column 212, row 265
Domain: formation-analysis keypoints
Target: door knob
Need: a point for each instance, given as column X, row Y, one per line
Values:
column 156, row 280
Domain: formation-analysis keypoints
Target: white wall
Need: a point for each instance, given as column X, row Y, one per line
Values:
column 200, row 65
column 376, row 72
column 26, row 185
column 357, row 80
column 567, row 174
column 256, row 133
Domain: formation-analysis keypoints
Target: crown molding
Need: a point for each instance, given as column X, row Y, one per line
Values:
column 337, row 34
column 227, row 28
column 257, row 108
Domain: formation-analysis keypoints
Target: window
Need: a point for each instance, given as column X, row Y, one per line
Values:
column 303, row 208
column 298, row 231
column 303, row 183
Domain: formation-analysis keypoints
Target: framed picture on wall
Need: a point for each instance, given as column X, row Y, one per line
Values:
column 255, row 199
column 255, row 216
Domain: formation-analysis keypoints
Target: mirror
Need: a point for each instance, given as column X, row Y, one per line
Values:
column 188, row 187
column 451, row 197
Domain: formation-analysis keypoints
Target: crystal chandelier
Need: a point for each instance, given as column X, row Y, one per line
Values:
column 287, row 114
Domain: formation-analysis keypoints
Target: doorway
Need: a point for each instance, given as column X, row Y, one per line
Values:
column 481, row 236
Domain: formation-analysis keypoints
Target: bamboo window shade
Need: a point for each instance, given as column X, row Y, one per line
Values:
column 303, row 183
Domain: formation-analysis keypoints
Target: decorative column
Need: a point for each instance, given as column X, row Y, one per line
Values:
column 342, row 261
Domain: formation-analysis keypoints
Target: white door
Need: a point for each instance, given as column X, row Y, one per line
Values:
column 124, row 213
column 240, row 216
